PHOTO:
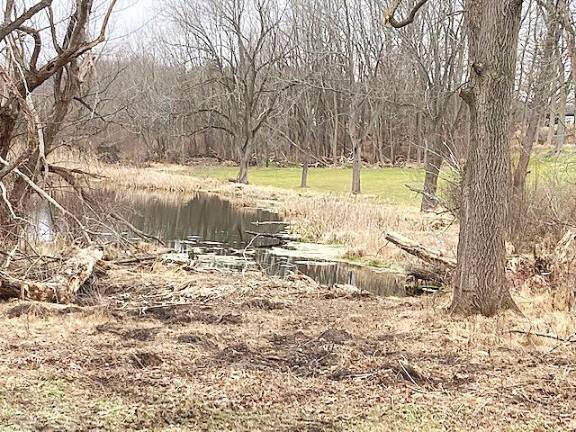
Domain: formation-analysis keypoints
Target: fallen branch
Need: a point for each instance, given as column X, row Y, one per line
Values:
column 278, row 236
column 432, row 256
column 137, row 260
column 571, row 339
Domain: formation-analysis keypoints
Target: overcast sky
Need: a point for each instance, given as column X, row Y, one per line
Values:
column 134, row 17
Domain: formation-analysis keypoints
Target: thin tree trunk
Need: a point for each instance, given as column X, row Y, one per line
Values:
column 418, row 139
column 335, row 136
column 561, row 131
column 541, row 92
column 480, row 281
column 434, row 161
column 552, row 120
column 304, row 178
column 357, row 162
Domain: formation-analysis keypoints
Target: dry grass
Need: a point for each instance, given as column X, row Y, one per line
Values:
column 361, row 225
column 255, row 353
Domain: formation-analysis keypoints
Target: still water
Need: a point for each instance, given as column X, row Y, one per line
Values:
column 212, row 232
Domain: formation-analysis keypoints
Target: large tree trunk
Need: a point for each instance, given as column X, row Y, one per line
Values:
column 480, row 281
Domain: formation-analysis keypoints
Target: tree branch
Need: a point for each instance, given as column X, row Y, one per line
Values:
column 389, row 17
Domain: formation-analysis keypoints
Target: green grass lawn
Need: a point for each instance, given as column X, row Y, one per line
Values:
column 549, row 168
column 388, row 184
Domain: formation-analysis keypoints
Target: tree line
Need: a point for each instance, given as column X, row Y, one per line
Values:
column 330, row 82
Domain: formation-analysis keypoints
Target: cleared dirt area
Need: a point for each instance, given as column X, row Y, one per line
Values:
column 246, row 352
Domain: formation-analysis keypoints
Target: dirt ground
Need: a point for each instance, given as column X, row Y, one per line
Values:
column 246, row 352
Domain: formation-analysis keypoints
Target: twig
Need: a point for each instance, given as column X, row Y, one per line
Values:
column 571, row 339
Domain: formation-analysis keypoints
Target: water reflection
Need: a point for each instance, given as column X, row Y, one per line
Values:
column 200, row 220
column 211, row 232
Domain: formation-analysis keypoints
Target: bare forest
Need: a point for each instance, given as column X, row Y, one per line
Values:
column 299, row 215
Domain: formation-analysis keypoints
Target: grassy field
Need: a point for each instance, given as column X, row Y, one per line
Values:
column 387, row 184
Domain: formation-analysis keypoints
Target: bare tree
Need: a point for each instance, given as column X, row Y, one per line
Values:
column 241, row 43
column 67, row 63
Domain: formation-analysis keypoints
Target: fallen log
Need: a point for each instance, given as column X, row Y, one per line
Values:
column 62, row 287
column 432, row 256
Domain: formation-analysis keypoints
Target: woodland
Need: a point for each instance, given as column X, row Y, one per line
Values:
column 300, row 215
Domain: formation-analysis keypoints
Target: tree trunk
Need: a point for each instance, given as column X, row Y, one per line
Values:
column 433, row 166
column 480, row 280
column 551, row 122
column 418, row 139
column 7, row 124
column 304, row 178
column 335, row 137
column 561, row 131
column 434, row 161
column 357, row 148
column 572, row 52
column 245, row 157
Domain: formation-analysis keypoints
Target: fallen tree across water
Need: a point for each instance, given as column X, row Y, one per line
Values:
column 431, row 256
column 62, row 287
column 553, row 270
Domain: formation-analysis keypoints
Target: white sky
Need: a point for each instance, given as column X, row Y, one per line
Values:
column 133, row 18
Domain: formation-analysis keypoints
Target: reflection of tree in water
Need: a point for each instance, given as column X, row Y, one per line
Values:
column 206, row 216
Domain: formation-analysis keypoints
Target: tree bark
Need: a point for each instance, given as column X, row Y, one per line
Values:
column 356, row 164
column 434, row 161
column 480, row 282
column 304, row 178
column 7, row 124
column 245, row 157
column 562, row 101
